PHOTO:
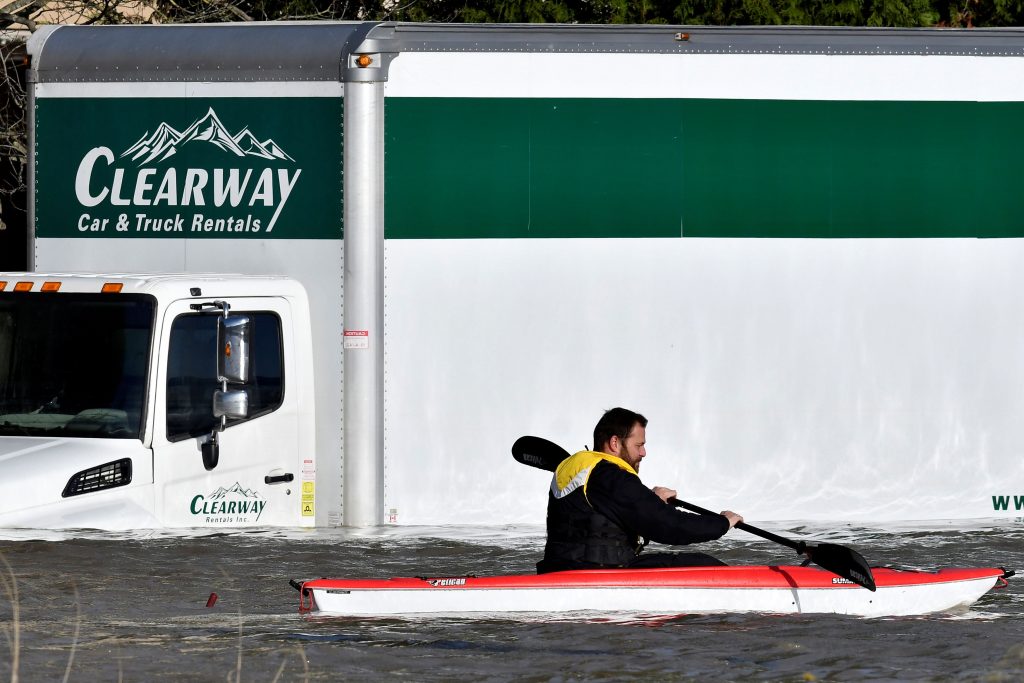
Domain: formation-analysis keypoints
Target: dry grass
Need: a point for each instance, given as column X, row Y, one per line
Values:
column 12, row 633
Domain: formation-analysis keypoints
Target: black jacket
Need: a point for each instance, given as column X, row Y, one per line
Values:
column 603, row 527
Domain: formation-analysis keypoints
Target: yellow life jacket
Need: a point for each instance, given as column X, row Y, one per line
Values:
column 574, row 471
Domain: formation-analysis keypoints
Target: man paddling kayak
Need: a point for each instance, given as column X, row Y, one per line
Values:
column 598, row 509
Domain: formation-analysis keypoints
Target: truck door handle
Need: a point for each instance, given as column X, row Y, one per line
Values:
column 278, row 478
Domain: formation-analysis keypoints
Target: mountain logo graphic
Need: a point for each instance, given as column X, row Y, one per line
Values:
column 165, row 142
column 235, row 490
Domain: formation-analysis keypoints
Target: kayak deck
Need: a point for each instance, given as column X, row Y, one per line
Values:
column 773, row 589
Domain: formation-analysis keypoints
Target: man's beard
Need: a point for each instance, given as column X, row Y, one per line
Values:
column 634, row 465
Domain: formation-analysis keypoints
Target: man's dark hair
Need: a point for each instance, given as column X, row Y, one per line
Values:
column 616, row 422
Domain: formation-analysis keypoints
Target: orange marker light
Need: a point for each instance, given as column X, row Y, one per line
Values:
column 227, row 349
column 51, row 287
column 23, row 287
column 112, row 287
column 3, row 285
column 364, row 61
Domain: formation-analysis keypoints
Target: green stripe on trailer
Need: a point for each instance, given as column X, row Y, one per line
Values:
column 516, row 167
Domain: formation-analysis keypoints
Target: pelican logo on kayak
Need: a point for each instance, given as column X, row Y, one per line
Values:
column 440, row 583
column 235, row 505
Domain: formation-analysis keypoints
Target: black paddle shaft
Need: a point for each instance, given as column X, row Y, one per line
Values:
column 798, row 546
column 845, row 562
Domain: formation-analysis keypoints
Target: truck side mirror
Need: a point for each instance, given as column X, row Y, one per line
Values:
column 233, row 337
column 232, row 404
column 211, row 452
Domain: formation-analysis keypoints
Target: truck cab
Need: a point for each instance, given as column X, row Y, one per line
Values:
column 155, row 401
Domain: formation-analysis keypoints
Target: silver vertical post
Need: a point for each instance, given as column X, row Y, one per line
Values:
column 363, row 438
column 35, row 48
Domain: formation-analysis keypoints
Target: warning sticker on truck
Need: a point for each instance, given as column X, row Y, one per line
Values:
column 357, row 339
column 308, row 494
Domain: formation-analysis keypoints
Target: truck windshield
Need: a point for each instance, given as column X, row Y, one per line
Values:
column 74, row 364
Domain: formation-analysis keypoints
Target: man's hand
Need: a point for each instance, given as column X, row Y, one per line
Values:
column 733, row 518
column 666, row 494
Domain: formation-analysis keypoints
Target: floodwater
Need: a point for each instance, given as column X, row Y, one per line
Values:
column 94, row 606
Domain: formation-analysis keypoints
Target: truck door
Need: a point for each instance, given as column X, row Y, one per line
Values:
column 256, row 479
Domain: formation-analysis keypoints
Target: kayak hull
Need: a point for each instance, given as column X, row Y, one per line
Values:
column 689, row 590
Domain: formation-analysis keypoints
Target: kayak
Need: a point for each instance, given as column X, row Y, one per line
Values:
column 687, row 590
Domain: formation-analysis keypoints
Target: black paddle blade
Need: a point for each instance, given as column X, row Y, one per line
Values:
column 843, row 561
column 538, row 452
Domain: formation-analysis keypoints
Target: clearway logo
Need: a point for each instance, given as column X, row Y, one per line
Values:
column 235, row 505
column 143, row 176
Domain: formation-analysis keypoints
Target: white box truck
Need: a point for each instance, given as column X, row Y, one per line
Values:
column 766, row 240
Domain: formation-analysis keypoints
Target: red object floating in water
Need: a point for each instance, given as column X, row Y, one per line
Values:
column 212, row 600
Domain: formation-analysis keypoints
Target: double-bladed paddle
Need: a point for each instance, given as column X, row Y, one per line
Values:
column 838, row 559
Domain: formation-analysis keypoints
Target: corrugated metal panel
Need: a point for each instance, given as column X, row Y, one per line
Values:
column 693, row 39
column 315, row 51
column 195, row 53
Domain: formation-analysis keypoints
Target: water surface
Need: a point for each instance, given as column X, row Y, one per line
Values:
column 94, row 606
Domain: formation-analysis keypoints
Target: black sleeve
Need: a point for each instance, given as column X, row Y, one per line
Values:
column 624, row 499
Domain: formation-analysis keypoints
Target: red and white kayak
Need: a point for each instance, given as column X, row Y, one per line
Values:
column 690, row 590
